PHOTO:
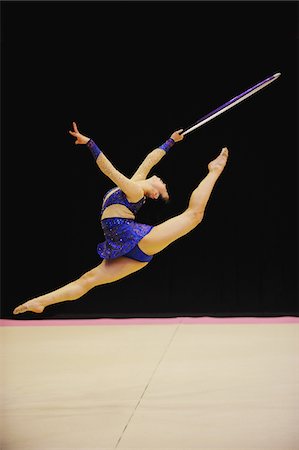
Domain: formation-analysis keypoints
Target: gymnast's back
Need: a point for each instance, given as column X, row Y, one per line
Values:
column 116, row 204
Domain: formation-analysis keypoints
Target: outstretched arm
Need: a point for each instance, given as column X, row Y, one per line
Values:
column 155, row 156
column 132, row 190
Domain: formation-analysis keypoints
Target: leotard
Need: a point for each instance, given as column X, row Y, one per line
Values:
column 122, row 235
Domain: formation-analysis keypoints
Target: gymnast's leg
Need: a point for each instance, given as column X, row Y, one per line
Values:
column 156, row 240
column 169, row 231
column 107, row 272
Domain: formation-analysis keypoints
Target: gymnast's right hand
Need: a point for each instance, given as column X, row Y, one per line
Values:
column 80, row 138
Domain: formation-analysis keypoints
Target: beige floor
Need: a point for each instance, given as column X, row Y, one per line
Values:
column 177, row 386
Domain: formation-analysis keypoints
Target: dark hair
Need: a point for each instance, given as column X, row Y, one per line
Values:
column 163, row 199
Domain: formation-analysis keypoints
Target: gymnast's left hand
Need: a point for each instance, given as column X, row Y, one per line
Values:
column 80, row 138
column 176, row 136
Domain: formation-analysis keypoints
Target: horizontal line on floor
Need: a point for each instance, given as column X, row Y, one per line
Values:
column 148, row 321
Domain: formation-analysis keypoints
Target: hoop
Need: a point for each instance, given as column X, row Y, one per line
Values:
column 233, row 102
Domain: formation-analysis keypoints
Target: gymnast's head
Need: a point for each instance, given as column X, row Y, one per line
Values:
column 156, row 189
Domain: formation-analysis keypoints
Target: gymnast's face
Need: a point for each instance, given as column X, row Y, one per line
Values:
column 159, row 189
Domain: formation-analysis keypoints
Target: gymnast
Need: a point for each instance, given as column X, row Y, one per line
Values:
column 129, row 246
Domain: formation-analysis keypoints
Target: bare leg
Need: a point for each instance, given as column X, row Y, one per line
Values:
column 158, row 238
column 106, row 272
column 169, row 231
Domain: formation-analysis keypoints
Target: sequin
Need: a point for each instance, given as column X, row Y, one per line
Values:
column 121, row 235
column 118, row 197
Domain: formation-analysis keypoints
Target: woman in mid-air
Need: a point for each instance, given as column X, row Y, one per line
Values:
column 129, row 246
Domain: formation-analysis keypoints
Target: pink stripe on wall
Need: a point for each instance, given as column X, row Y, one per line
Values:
column 149, row 321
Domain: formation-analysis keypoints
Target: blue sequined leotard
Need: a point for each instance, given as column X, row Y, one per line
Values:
column 122, row 235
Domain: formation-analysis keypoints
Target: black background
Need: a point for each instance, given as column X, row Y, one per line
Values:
column 130, row 73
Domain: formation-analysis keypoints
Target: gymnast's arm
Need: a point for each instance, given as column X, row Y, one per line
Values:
column 155, row 156
column 132, row 190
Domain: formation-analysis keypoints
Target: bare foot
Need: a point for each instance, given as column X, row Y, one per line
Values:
column 218, row 164
column 32, row 305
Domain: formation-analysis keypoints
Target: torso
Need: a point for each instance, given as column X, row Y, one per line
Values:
column 115, row 209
